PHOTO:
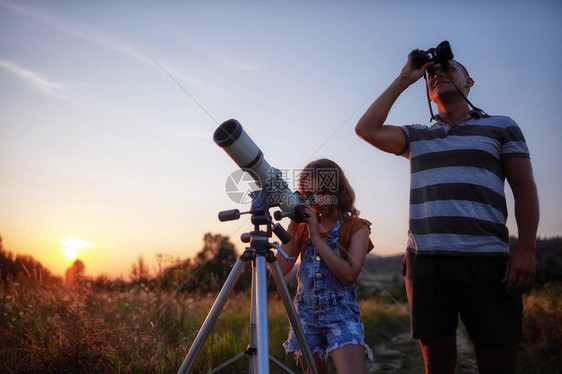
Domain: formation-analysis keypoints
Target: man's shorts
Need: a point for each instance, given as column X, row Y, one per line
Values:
column 440, row 287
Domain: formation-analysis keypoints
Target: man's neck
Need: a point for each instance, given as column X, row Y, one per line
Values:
column 452, row 113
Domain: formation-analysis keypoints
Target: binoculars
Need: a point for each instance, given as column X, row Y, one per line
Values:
column 438, row 55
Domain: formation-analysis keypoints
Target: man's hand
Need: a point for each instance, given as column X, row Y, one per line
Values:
column 410, row 72
column 520, row 271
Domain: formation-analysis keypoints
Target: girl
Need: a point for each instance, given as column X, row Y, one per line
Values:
column 332, row 243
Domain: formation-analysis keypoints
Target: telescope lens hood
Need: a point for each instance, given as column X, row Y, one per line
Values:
column 227, row 133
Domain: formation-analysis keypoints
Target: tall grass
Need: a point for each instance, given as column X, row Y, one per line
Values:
column 52, row 329
column 541, row 351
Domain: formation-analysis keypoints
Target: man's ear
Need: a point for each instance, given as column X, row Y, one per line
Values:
column 469, row 83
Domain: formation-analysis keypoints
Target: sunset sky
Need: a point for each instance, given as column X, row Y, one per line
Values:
column 107, row 111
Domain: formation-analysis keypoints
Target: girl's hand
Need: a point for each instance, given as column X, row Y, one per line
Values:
column 311, row 221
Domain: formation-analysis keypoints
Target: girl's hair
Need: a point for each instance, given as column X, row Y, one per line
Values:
column 327, row 177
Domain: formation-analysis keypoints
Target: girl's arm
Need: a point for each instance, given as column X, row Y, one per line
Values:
column 290, row 249
column 346, row 270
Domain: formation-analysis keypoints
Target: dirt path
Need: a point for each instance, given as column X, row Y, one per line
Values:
column 402, row 355
column 466, row 361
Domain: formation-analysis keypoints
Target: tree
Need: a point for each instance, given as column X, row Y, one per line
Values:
column 7, row 263
column 139, row 271
column 24, row 269
column 212, row 264
column 75, row 274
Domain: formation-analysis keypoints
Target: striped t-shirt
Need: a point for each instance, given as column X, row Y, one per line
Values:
column 457, row 199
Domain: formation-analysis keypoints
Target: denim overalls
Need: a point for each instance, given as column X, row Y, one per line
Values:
column 327, row 310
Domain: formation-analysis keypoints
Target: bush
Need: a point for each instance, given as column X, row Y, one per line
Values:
column 542, row 328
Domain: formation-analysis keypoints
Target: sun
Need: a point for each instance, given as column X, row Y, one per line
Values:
column 72, row 247
column 70, row 253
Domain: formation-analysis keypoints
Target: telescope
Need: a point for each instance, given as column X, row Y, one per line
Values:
column 273, row 192
column 231, row 137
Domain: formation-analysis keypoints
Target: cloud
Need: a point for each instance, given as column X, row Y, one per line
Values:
column 101, row 38
column 35, row 79
column 78, row 30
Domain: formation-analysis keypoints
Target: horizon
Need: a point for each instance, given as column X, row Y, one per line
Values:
column 153, row 271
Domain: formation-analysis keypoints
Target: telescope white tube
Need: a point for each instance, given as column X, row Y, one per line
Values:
column 237, row 144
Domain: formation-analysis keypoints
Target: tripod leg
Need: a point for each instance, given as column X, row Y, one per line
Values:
column 280, row 365
column 213, row 315
column 226, row 363
column 261, row 301
column 297, row 328
column 252, row 347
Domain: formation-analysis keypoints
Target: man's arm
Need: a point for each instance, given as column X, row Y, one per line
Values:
column 371, row 126
column 521, row 268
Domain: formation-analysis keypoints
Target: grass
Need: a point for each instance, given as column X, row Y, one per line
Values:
column 51, row 329
column 541, row 351
column 54, row 330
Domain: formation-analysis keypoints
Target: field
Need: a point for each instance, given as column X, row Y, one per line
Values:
column 143, row 329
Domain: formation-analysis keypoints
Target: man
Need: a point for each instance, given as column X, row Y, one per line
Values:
column 458, row 260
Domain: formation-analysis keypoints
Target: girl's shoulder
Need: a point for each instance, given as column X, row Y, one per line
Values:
column 353, row 224
column 350, row 226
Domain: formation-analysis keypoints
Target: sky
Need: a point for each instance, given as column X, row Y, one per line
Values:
column 108, row 109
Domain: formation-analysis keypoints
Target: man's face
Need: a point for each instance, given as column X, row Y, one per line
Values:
column 440, row 84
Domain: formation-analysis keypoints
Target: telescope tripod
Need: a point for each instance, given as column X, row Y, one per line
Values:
column 259, row 253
